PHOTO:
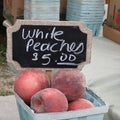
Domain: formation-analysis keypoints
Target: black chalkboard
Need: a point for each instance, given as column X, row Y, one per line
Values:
column 49, row 46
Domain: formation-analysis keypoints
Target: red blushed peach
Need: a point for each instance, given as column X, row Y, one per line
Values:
column 71, row 82
column 80, row 104
column 49, row 100
column 30, row 81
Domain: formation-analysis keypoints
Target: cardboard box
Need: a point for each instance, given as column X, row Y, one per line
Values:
column 96, row 113
column 111, row 33
column 13, row 9
column 106, row 1
column 113, row 17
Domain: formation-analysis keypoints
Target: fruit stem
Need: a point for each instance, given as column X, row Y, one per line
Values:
column 49, row 73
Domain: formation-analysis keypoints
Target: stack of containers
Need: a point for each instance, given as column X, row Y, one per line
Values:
column 90, row 12
column 41, row 9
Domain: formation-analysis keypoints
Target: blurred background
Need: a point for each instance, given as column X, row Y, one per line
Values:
column 2, row 36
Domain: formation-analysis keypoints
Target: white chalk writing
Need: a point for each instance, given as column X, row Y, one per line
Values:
column 35, row 41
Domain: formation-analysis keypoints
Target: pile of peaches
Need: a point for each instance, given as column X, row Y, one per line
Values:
column 64, row 91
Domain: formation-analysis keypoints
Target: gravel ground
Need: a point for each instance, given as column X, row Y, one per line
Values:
column 7, row 78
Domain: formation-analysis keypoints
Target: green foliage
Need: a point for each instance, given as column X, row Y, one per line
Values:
column 5, row 93
column 2, row 54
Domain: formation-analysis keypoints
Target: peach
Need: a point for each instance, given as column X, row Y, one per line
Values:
column 80, row 104
column 30, row 81
column 71, row 82
column 49, row 100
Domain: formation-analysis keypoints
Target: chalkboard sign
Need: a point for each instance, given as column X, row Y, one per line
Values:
column 40, row 44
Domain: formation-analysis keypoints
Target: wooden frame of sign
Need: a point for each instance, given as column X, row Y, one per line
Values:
column 48, row 44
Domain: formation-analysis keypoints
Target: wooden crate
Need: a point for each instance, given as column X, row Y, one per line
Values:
column 13, row 9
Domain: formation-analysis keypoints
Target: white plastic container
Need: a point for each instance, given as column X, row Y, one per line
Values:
column 41, row 9
column 91, row 12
